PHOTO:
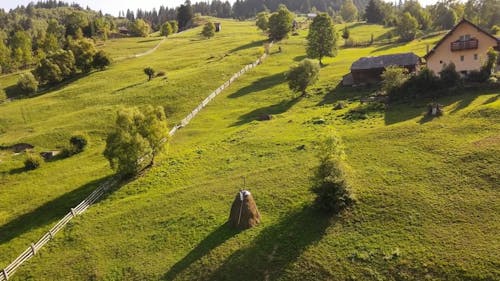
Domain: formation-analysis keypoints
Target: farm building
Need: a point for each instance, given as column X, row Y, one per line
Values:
column 368, row 69
column 465, row 45
column 218, row 27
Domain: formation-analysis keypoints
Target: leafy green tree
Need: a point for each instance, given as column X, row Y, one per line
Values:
column 262, row 21
column 101, row 60
column 55, row 68
column 150, row 72
column 76, row 20
column 136, row 137
column 491, row 61
column 322, row 38
column 5, row 60
column 332, row 190
column 27, row 84
column 50, row 43
column 166, row 29
column 280, row 23
column 139, row 28
column 21, row 46
column 407, row 27
column 84, row 51
column 174, row 25
column 303, row 75
column 185, row 15
column 346, row 34
column 374, row 12
column 393, row 78
column 208, row 30
column 348, row 11
column 47, row 72
column 423, row 17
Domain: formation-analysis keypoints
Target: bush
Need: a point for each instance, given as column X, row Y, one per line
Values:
column 166, row 29
column 331, row 187
column 27, row 84
column 150, row 72
column 208, row 30
column 449, row 76
column 101, row 60
column 495, row 29
column 33, row 161
column 393, row 78
column 78, row 143
column 301, row 76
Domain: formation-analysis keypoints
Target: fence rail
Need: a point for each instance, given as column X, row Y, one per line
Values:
column 31, row 251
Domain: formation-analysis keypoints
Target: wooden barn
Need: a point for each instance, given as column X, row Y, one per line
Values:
column 218, row 27
column 367, row 70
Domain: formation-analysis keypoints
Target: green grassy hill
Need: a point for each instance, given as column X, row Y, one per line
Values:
column 427, row 190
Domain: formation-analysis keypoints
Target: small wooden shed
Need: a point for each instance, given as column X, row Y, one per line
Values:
column 218, row 26
column 368, row 69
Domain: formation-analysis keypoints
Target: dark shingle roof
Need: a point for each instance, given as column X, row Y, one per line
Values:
column 404, row 59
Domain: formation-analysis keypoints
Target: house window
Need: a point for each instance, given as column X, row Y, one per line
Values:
column 475, row 56
column 465, row 37
column 441, row 62
column 461, row 58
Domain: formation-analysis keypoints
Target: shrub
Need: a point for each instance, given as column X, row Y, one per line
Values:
column 33, row 161
column 27, row 84
column 393, row 78
column 492, row 80
column 150, row 72
column 495, row 29
column 166, row 29
column 208, row 30
column 174, row 25
column 449, row 76
column 331, row 187
column 101, row 60
column 301, row 76
column 78, row 143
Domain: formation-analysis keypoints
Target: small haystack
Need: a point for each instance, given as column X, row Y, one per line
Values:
column 244, row 213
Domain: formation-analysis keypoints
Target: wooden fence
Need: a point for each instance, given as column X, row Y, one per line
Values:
column 103, row 188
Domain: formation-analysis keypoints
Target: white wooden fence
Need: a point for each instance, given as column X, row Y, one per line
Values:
column 31, row 251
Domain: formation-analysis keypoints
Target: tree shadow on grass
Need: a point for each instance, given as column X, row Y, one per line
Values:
column 249, row 45
column 260, row 85
column 492, row 99
column 388, row 47
column 275, row 248
column 274, row 109
column 344, row 93
column 150, row 40
column 50, row 211
column 299, row 58
column 129, row 87
column 212, row 241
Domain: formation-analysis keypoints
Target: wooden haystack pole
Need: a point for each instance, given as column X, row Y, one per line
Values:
column 244, row 213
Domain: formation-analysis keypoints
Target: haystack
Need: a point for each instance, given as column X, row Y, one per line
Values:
column 244, row 213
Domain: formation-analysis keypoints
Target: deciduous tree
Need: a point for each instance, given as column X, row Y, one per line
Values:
column 303, row 75
column 322, row 39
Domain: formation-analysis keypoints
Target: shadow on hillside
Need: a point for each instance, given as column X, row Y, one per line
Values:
column 260, row 85
column 340, row 93
column 299, row 58
column 276, row 247
column 13, row 92
column 274, row 109
column 249, row 45
column 388, row 47
column 50, row 211
column 212, row 241
column 492, row 99
column 129, row 87
column 150, row 40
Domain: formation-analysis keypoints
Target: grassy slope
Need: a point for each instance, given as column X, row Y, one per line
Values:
column 427, row 200
column 29, row 201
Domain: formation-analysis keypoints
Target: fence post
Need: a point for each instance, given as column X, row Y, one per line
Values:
column 50, row 234
column 5, row 274
column 33, row 249
column 73, row 212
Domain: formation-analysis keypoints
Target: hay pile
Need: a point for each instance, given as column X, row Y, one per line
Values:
column 244, row 213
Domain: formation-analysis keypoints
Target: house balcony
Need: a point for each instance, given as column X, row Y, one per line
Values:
column 464, row 45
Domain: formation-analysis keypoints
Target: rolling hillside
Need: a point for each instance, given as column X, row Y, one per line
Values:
column 427, row 190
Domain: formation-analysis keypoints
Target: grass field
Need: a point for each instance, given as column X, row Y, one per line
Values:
column 427, row 190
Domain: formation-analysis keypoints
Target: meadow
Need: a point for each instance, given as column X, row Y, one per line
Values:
column 426, row 189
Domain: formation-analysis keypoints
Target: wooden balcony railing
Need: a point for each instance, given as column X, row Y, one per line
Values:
column 464, row 45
